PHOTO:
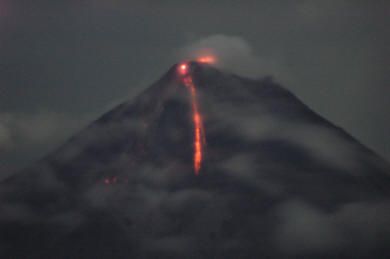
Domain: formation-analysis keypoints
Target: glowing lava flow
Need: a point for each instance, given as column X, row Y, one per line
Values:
column 199, row 133
column 206, row 59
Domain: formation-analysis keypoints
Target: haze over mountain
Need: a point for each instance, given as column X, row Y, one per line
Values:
column 277, row 180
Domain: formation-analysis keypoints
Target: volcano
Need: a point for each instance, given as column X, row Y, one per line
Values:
column 275, row 180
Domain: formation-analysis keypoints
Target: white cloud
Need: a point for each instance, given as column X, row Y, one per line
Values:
column 325, row 144
column 304, row 228
column 233, row 53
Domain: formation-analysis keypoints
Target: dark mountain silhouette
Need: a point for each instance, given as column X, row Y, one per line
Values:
column 277, row 180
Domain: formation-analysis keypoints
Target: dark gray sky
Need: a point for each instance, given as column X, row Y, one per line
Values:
column 62, row 63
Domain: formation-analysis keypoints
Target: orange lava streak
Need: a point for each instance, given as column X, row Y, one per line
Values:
column 199, row 136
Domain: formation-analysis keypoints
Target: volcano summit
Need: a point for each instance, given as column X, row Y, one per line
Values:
column 276, row 180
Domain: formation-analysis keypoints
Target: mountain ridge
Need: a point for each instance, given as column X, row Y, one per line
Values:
column 277, row 180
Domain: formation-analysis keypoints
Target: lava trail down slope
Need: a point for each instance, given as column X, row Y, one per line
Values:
column 199, row 132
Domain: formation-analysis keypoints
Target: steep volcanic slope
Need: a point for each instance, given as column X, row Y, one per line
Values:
column 276, row 180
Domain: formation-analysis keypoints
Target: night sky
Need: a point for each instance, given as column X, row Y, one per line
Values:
column 63, row 63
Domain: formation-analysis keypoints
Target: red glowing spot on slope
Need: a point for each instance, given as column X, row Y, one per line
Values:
column 199, row 133
column 112, row 180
